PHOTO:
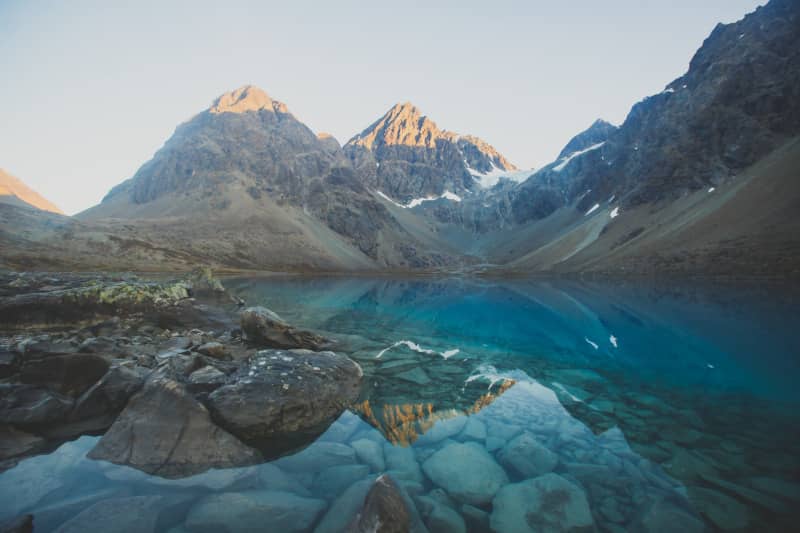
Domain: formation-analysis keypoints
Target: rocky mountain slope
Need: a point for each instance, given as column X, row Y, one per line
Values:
column 406, row 157
column 14, row 191
column 250, row 186
column 698, row 179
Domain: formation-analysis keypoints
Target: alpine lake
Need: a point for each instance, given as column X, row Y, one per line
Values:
column 521, row 405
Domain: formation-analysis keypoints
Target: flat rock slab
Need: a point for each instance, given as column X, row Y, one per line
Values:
column 257, row 510
column 545, row 503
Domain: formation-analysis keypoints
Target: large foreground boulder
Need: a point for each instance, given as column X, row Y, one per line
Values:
column 285, row 395
column 265, row 329
column 167, row 432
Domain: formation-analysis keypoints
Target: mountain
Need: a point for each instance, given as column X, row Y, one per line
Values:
column 14, row 191
column 406, row 157
column 253, row 187
column 616, row 199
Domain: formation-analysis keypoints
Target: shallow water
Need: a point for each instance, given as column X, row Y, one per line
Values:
column 636, row 408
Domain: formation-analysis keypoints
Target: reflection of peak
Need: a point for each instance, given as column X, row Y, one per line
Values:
column 403, row 424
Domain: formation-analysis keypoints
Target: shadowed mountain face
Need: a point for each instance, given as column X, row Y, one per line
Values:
column 14, row 191
column 405, row 156
column 739, row 100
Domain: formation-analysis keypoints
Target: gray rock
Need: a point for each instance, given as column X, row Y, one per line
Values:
column 402, row 462
column 264, row 328
column 29, row 405
column 215, row 350
column 207, row 378
column 110, row 394
column 371, row 453
column 384, row 510
column 136, row 514
column 664, row 516
column 527, row 457
column 332, row 481
column 165, row 431
column 442, row 429
column 317, row 457
column 271, row 477
column 473, row 430
column 15, row 442
column 253, row 511
column 723, row 511
column 477, row 484
column 70, row 374
column 285, row 394
column 545, row 503
column 344, row 509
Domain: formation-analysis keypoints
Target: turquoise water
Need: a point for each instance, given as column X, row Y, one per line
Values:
column 508, row 406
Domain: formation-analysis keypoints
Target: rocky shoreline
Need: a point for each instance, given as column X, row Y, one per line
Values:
column 177, row 375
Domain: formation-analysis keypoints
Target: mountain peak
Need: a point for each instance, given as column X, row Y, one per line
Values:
column 245, row 99
column 403, row 124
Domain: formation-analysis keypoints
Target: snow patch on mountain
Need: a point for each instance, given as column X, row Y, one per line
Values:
column 565, row 160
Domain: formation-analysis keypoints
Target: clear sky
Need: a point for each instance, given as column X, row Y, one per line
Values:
column 92, row 88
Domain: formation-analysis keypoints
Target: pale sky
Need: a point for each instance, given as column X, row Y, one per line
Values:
column 92, row 88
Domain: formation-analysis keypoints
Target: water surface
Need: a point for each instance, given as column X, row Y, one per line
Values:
column 659, row 406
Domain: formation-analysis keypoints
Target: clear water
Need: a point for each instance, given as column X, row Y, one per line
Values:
column 663, row 408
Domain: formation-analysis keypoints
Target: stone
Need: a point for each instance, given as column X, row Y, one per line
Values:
column 50, row 516
column 206, row 379
column 333, row 480
column 402, row 462
column 215, row 350
column 777, row 487
column 476, row 484
column 281, row 395
column 344, row 509
column 166, row 432
column 664, row 516
column 723, row 511
column 503, row 431
column 445, row 519
column 15, row 442
column 494, row 443
column 265, row 329
column 271, row 477
column 473, row 430
column 544, row 503
column 110, row 394
column 416, row 375
column 317, row 457
column 255, row 510
column 441, row 430
column 370, row 452
column 133, row 514
column 474, row 518
column 9, row 363
column 525, row 456
column 70, row 374
column 21, row 524
column 29, row 405
column 384, row 510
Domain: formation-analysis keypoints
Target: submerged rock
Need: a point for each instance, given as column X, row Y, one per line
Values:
column 264, row 328
column 384, row 510
column 371, row 453
column 527, row 457
column 143, row 514
column 166, row 432
column 21, row 524
column 476, row 484
column 285, row 395
column 545, row 503
column 255, row 510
